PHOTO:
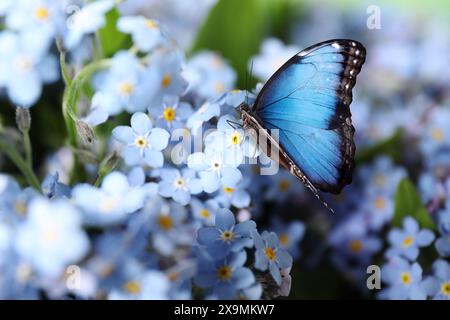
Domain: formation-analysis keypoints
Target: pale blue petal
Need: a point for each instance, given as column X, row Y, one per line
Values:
column 243, row 278
column 159, row 139
column 425, row 238
column 123, row 134
column 275, row 272
column 225, row 219
column 141, row 123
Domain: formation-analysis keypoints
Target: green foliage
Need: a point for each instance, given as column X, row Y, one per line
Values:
column 111, row 40
column 236, row 28
column 408, row 203
column 389, row 147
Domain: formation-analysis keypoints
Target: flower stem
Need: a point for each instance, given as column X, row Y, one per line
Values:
column 27, row 146
column 71, row 95
column 20, row 163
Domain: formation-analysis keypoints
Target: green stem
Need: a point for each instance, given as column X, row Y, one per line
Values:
column 21, row 164
column 27, row 146
column 64, row 71
column 71, row 96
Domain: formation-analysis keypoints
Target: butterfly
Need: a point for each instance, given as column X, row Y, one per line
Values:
column 308, row 102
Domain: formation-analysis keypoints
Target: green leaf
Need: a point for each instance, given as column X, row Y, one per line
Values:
column 111, row 39
column 408, row 203
column 236, row 28
column 389, row 147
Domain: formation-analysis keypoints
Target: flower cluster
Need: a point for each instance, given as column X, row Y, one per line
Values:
column 156, row 191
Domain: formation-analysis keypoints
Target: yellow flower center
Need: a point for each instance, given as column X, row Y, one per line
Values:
column 228, row 190
column 141, row 142
column 21, row 208
column 107, row 205
column 126, row 88
column 227, row 236
column 50, row 235
column 151, row 24
column 284, row 185
column 437, row 134
column 445, row 288
column 379, row 203
column 165, row 222
column 216, row 165
column 169, row 114
column 166, row 80
column 132, row 287
column 355, row 246
column 284, row 239
column 224, row 273
column 270, row 253
column 205, row 213
column 405, row 277
column 235, row 138
column 408, row 241
column 41, row 13
column 219, row 87
column 180, row 183
column 23, row 63
column 173, row 276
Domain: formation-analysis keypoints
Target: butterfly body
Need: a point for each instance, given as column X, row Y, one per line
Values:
column 307, row 101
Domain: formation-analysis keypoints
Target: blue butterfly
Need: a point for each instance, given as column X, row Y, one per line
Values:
column 308, row 101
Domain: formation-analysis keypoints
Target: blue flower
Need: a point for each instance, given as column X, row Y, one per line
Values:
column 437, row 286
column 51, row 237
column 203, row 114
column 224, row 276
column 53, row 188
column 214, row 169
column 146, row 33
column 143, row 143
column 86, row 20
column 172, row 114
column 443, row 243
column 290, row 235
column 236, row 195
column 232, row 142
column 404, row 280
column 204, row 211
column 270, row 255
column 112, row 202
column 26, row 65
column 179, row 185
column 209, row 75
column 126, row 85
column 168, row 224
column 436, row 134
column 165, row 69
column 148, row 285
column 254, row 292
column 407, row 242
column 45, row 18
column 273, row 55
column 226, row 235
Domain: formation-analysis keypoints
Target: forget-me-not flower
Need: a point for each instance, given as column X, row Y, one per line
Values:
column 146, row 33
column 51, row 237
column 226, row 235
column 407, row 242
column 437, row 286
column 224, row 276
column 270, row 255
column 143, row 143
column 110, row 203
column 179, row 185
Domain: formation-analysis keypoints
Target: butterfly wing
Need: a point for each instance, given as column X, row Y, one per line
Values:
column 308, row 101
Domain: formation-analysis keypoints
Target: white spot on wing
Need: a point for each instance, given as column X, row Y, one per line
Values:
column 336, row 45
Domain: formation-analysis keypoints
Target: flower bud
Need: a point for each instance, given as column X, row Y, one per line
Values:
column 23, row 119
column 85, row 132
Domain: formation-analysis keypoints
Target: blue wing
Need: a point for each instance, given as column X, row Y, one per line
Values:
column 308, row 100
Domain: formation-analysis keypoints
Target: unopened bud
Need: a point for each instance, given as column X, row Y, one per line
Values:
column 85, row 132
column 86, row 156
column 109, row 163
column 23, row 119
